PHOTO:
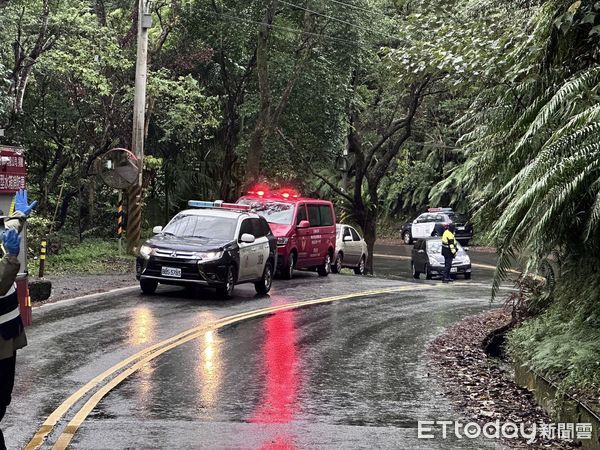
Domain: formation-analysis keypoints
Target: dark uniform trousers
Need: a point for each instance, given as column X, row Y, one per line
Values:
column 447, row 266
column 7, row 381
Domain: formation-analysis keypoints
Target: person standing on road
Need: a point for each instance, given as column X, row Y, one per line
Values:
column 12, row 332
column 448, row 250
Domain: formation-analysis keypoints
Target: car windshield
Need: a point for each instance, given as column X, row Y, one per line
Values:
column 196, row 226
column 274, row 212
column 434, row 246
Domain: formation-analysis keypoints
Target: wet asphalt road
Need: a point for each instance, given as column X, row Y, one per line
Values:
column 347, row 374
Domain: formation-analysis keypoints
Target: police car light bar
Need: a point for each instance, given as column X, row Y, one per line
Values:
column 217, row 204
column 439, row 210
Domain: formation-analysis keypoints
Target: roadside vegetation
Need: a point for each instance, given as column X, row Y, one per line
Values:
column 491, row 107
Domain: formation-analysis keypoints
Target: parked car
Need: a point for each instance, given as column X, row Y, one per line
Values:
column 217, row 245
column 351, row 250
column 304, row 228
column 434, row 222
column 427, row 259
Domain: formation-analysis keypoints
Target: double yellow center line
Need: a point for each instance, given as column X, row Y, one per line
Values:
column 112, row 377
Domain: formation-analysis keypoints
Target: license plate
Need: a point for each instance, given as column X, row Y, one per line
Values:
column 460, row 228
column 170, row 272
column 453, row 270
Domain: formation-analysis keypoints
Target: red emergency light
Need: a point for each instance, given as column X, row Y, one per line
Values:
column 288, row 193
column 262, row 191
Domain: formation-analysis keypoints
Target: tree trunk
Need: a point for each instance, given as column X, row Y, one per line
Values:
column 370, row 232
column 230, row 140
column 254, row 153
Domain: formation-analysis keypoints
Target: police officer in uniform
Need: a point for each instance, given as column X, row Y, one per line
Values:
column 12, row 333
column 449, row 250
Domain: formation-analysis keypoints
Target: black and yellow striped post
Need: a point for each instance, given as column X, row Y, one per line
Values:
column 120, row 217
column 43, row 257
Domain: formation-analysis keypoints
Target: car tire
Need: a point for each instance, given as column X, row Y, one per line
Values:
column 428, row 275
column 416, row 275
column 337, row 266
column 407, row 238
column 467, row 275
column 288, row 270
column 148, row 286
column 325, row 269
column 263, row 286
column 226, row 290
column 361, row 269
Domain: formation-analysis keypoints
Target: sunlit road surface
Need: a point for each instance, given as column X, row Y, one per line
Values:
column 177, row 370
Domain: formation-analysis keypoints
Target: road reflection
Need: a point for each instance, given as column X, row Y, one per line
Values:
column 142, row 328
column 209, row 369
column 278, row 402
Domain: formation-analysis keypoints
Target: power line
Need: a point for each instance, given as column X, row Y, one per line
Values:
column 337, row 19
column 356, row 7
column 280, row 27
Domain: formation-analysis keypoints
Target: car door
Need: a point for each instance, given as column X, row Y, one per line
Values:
column 348, row 246
column 418, row 228
column 356, row 246
column 248, row 253
column 302, row 236
column 419, row 255
column 314, row 238
column 260, row 247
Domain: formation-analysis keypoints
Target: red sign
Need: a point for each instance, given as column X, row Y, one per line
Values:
column 13, row 170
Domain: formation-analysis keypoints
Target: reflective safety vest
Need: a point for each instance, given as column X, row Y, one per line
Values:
column 11, row 325
column 448, row 244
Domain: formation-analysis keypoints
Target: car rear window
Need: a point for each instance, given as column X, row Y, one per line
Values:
column 326, row 216
column 197, row 226
column 458, row 218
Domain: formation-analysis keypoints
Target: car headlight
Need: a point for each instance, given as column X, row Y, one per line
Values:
column 146, row 251
column 208, row 256
column 282, row 240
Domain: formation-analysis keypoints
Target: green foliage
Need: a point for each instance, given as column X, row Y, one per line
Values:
column 564, row 343
column 533, row 170
column 91, row 256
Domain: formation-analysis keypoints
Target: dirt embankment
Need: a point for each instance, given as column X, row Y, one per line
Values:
column 481, row 387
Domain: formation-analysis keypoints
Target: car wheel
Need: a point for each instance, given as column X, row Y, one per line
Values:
column 148, row 286
column 288, row 270
column 416, row 275
column 226, row 290
column 428, row 275
column 362, row 266
column 325, row 269
column 263, row 286
column 406, row 238
column 467, row 275
column 337, row 266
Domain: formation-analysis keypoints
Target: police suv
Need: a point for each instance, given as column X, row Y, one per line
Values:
column 434, row 222
column 215, row 244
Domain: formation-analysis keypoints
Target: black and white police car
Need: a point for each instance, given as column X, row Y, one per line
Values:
column 215, row 244
column 434, row 222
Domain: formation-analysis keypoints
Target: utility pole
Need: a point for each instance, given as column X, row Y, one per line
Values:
column 134, row 193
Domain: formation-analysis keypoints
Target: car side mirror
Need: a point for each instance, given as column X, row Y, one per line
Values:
column 304, row 224
column 157, row 229
column 247, row 238
column 466, row 249
column 347, row 238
